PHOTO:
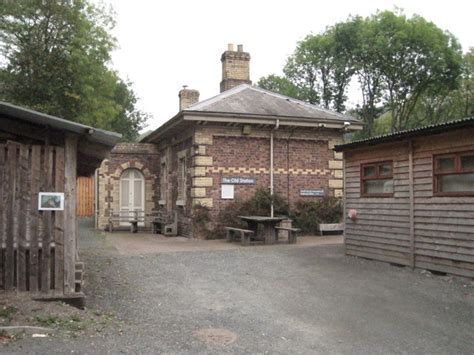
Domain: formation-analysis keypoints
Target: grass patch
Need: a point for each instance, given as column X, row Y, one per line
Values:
column 6, row 314
column 72, row 323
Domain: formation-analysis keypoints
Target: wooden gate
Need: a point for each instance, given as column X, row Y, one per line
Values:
column 32, row 241
column 85, row 196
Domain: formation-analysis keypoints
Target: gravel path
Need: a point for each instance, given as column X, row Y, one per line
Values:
column 275, row 299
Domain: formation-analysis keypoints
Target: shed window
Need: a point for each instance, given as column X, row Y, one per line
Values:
column 377, row 179
column 454, row 174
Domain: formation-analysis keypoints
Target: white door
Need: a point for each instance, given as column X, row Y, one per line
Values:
column 132, row 194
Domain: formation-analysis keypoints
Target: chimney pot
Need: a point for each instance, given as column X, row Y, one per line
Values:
column 230, row 47
column 240, row 48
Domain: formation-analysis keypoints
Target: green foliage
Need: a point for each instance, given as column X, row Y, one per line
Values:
column 405, row 66
column 444, row 104
column 280, row 85
column 6, row 314
column 308, row 214
column 414, row 57
column 202, row 220
column 258, row 205
column 54, row 58
column 72, row 323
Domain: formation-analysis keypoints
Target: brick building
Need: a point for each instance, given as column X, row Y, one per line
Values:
column 224, row 148
column 143, row 160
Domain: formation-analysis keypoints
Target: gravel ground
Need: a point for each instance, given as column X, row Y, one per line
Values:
column 266, row 300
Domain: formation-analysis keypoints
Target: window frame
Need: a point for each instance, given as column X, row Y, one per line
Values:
column 182, row 178
column 456, row 171
column 377, row 176
column 163, row 182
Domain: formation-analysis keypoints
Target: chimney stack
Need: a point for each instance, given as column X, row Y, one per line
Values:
column 187, row 97
column 235, row 67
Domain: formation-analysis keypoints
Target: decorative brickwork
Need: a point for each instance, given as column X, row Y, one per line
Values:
column 143, row 157
column 303, row 159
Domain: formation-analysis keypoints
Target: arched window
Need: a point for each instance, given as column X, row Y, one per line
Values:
column 132, row 191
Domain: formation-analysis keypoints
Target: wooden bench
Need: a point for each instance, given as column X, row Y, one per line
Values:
column 132, row 217
column 244, row 234
column 164, row 224
column 292, row 233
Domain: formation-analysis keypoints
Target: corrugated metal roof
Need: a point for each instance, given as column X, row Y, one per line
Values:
column 251, row 100
column 415, row 132
column 93, row 134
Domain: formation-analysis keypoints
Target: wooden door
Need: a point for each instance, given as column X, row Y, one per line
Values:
column 85, row 196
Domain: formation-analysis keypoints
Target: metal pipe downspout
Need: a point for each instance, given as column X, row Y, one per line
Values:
column 272, row 208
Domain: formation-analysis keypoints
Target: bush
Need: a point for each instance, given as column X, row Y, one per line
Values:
column 202, row 220
column 258, row 205
column 308, row 214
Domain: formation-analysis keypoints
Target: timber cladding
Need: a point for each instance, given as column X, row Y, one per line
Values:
column 414, row 227
column 32, row 242
column 85, row 196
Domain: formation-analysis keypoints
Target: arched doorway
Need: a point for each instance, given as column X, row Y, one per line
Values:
column 132, row 192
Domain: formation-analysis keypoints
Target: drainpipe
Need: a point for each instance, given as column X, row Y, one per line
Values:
column 277, row 124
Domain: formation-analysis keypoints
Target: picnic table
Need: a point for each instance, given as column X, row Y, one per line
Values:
column 268, row 223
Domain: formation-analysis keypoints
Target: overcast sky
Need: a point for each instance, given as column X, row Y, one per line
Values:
column 167, row 44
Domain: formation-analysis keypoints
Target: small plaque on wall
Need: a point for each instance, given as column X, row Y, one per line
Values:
column 312, row 192
column 227, row 192
column 237, row 180
column 51, row 201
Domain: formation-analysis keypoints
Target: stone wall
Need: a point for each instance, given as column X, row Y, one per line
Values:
column 171, row 152
column 143, row 157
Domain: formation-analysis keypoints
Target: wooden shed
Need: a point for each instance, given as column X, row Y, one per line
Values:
column 40, row 154
column 409, row 197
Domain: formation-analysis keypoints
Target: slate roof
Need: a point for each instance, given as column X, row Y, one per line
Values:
column 247, row 99
column 409, row 133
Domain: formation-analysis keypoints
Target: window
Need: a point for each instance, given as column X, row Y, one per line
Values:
column 181, row 180
column 454, row 174
column 163, row 182
column 377, row 179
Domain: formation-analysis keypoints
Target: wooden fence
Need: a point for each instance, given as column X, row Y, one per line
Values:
column 32, row 241
column 85, row 196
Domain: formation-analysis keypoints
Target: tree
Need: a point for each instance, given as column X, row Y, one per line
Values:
column 54, row 58
column 398, row 63
column 309, row 69
column 445, row 104
column 280, row 85
column 413, row 56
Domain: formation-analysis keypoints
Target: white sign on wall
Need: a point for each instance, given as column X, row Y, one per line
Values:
column 51, row 201
column 227, row 192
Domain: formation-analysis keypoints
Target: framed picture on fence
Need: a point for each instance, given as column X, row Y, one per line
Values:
column 51, row 201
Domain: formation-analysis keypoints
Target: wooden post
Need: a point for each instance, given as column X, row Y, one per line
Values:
column 59, row 225
column 412, row 203
column 70, row 227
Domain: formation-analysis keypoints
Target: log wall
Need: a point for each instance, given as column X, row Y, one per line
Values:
column 32, row 241
column 413, row 227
